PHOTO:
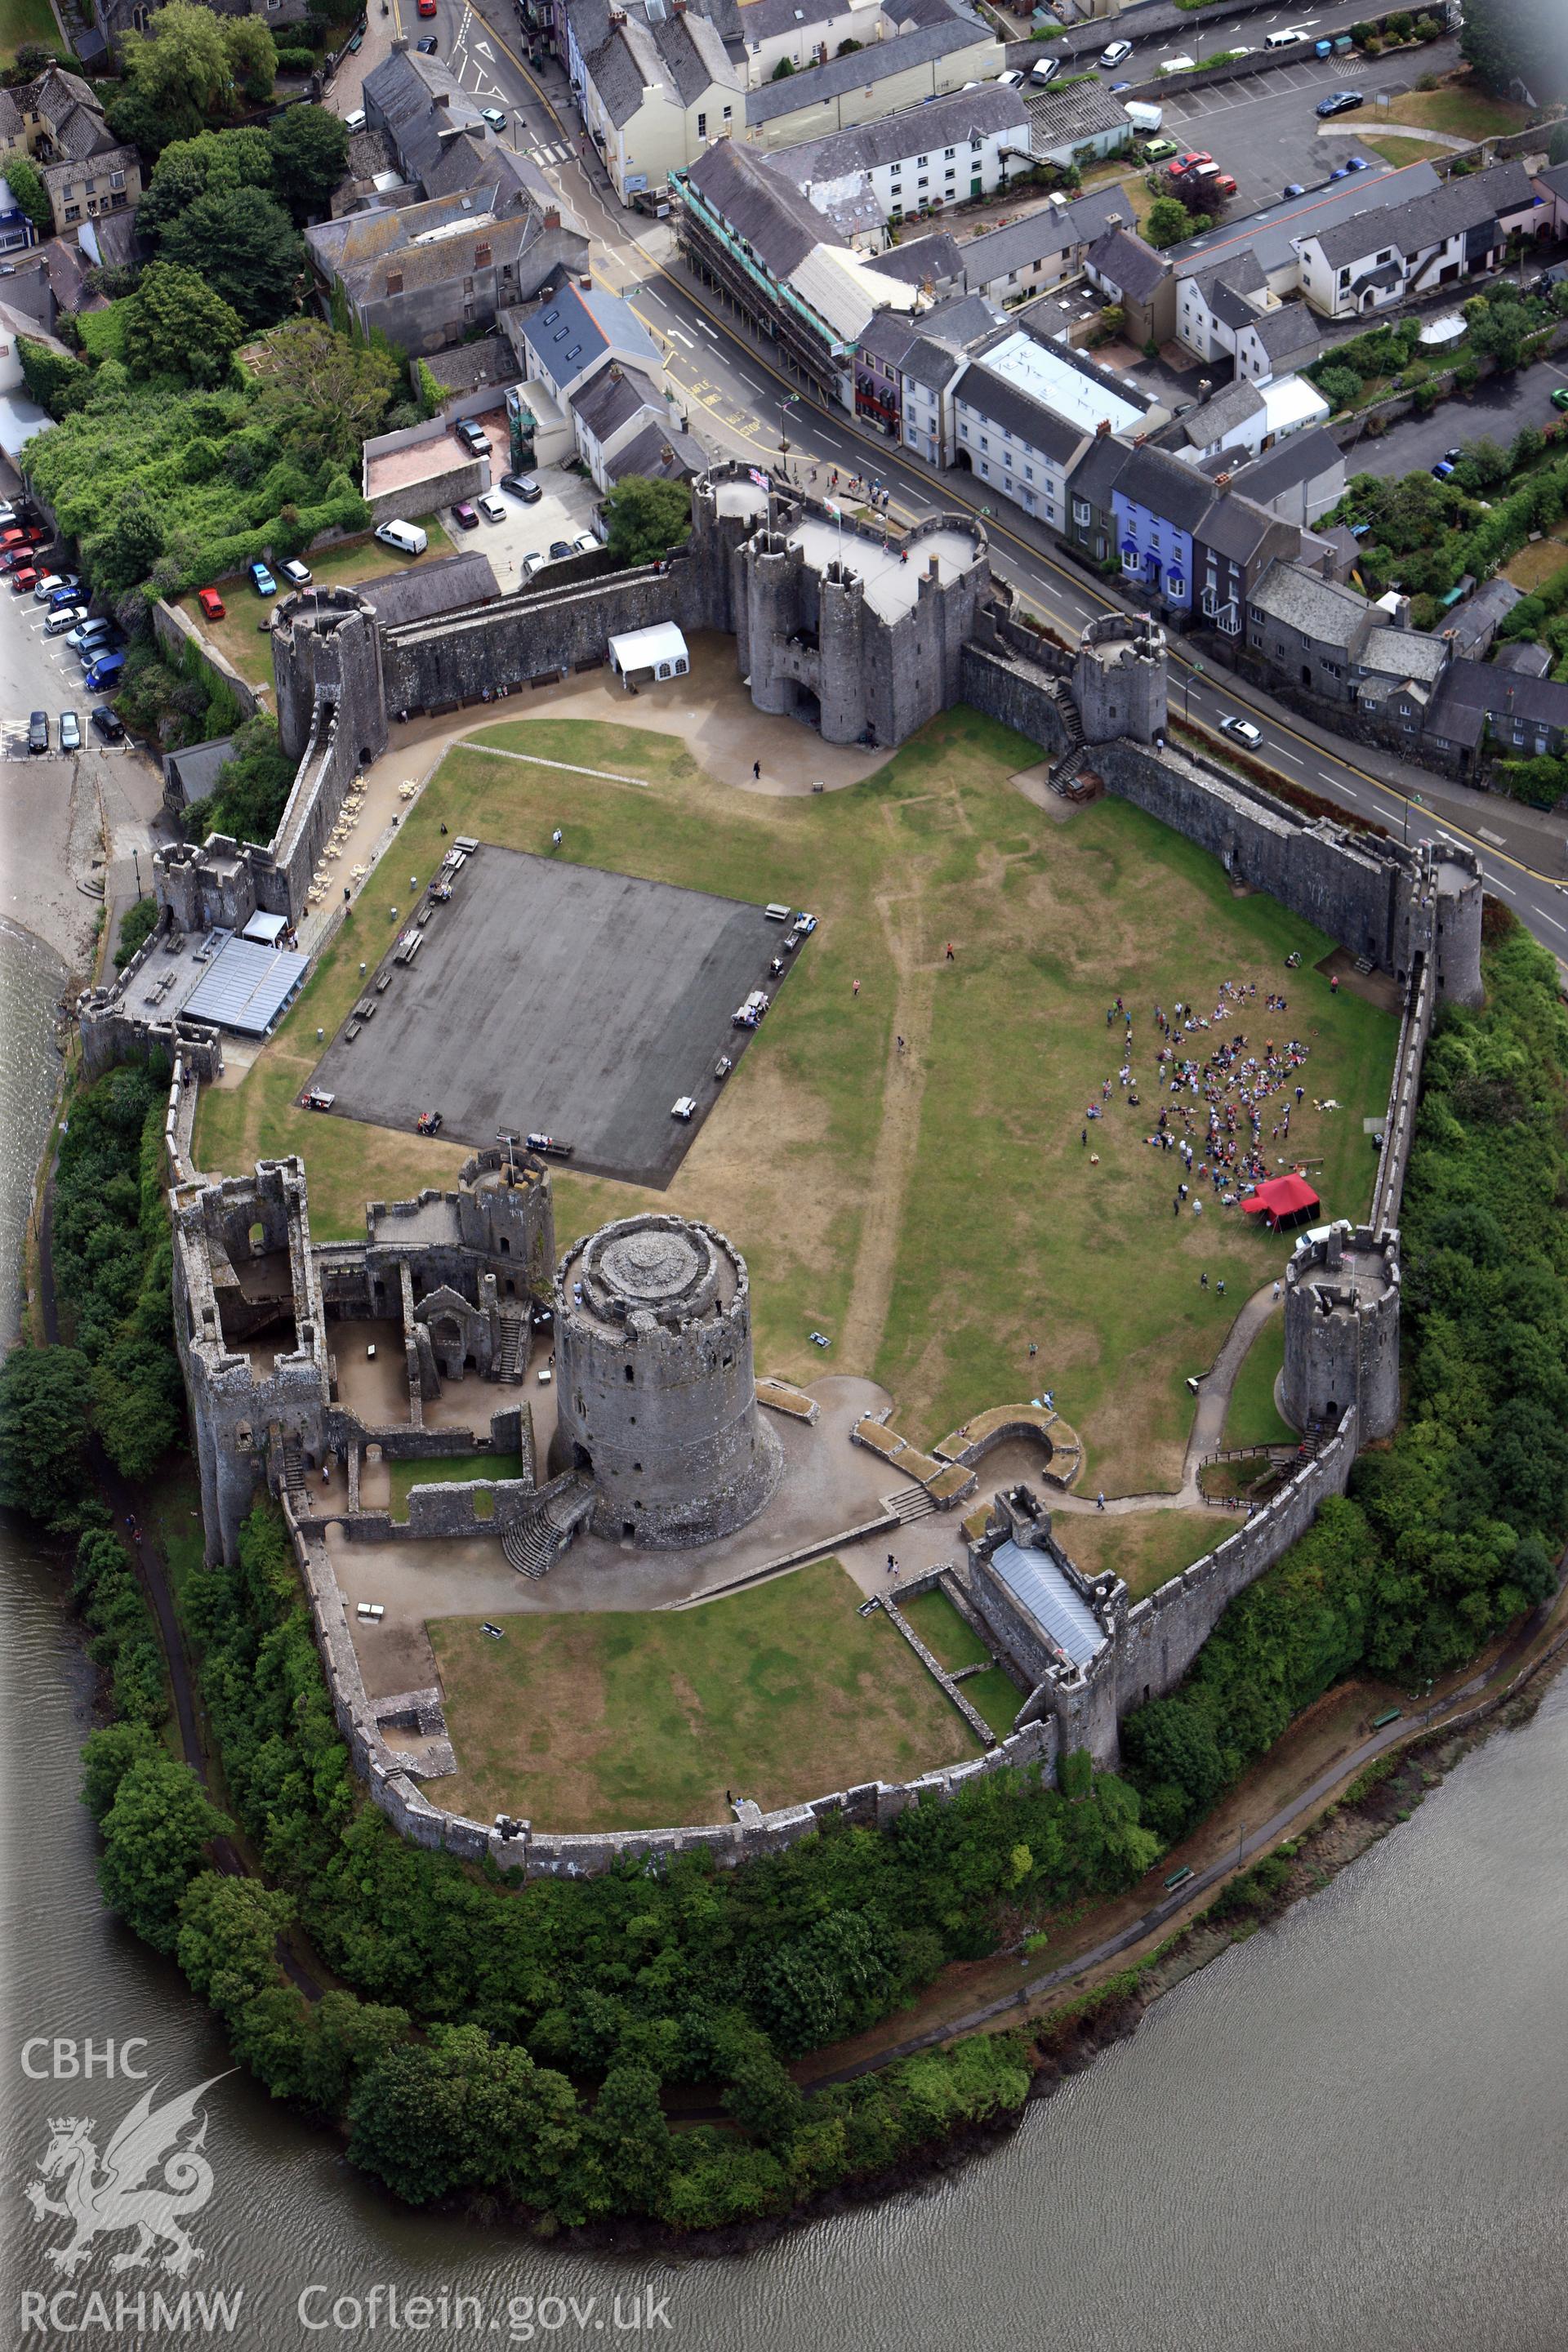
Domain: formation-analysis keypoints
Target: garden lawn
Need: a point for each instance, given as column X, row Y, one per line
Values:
column 1144, row 1549
column 643, row 1720
column 22, row 21
column 1539, row 562
column 931, row 1212
column 1253, row 1419
column 448, row 1469
column 240, row 637
column 1466, row 111
column 1406, row 150
column 952, row 1642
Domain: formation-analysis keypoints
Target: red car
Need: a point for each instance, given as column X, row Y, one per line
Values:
column 1181, row 163
column 211, row 603
column 22, row 581
column 427, row 7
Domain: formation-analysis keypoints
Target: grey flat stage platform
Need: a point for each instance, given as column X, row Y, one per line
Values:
column 557, row 997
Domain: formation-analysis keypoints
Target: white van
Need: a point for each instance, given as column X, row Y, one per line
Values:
column 1141, row 116
column 354, row 122
column 1290, row 38
column 1176, row 65
column 405, row 537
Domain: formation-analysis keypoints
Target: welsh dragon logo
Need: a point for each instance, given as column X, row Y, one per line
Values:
column 102, row 2202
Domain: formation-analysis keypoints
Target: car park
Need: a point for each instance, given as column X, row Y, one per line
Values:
column 39, row 731
column 492, row 507
column 107, row 723
column 69, row 616
column 1241, row 730
column 1339, row 101
column 523, row 487
column 261, row 579
column 1158, row 149
column 1116, row 54
column 211, row 603
column 428, row 1122
column 296, row 574
column 70, row 732
column 465, row 517
column 1188, row 163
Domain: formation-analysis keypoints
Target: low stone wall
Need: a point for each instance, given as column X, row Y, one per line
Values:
column 175, row 631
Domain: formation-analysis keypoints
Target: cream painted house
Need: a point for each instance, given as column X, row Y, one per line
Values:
column 654, row 83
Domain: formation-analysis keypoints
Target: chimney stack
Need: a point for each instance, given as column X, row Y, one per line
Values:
column 551, row 218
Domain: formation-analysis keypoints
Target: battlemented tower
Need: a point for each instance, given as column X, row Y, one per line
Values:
column 1341, row 1329
column 326, row 662
column 656, row 1395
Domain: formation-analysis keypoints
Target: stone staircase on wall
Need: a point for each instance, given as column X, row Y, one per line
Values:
column 910, row 1503
column 512, row 1356
column 294, row 1474
column 533, row 1543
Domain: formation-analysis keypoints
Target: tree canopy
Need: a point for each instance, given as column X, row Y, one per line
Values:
column 310, row 150
column 1517, row 48
column 175, row 324
column 646, row 519
column 187, row 67
column 43, row 1432
column 22, row 179
column 244, row 245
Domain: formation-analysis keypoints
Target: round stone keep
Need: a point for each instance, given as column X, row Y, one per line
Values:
column 656, row 1393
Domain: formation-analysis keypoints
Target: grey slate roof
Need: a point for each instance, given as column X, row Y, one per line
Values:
column 760, row 19
column 1317, row 608
column 1129, row 263
column 1235, row 527
column 661, row 454
column 1404, row 653
column 568, row 330
column 1501, row 695
column 643, row 42
column 1299, row 457
column 921, row 44
column 427, row 591
column 997, row 402
column 1554, row 178
column 612, row 398
column 1291, row 332
column 1425, row 220
column 1270, row 237
column 1523, row 655
column 1097, row 471
column 1178, row 494
column 1470, row 621
column 1211, row 420
column 946, row 121
column 469, row 365
column 939, row 257
column 779, row 223
column 1055, row 228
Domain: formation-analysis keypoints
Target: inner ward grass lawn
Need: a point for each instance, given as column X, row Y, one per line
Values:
column 642, row 1720
column 454, row 1468
column 931, row 1212
column 952, row 1642
column 1253, row 1418
column 1144, row 1549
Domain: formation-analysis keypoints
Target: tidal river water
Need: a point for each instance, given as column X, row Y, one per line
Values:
column 1348, row 2135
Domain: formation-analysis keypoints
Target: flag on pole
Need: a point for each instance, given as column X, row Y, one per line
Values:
column 760, row 480
column 837, row 512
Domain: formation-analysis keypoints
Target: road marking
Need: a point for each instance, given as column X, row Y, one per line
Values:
column 1494, row 838
column 684, row 338
column 1506, row 888
column 708, row 329
column 654, row 296
column 1338, row 786
column 1554, row 923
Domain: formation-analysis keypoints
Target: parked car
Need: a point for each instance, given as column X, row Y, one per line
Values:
column 69, row 616
column 39, row 731
column 1046, row 72
column 1242, row 729
column 1115, row 54
column 428, row 47
column 70, row 593
column 211, row 603
column 46, row 587
column 474, row 437
column 1158, row 149
column 463, row 515
column 1176, row 65
column 585, row 544
column 104, row 671
column 1442, row 469
column 1357, row 164
column 1339, row 101
column 1293, row 188
column 24, row 578
column 407, row 537
column 1208, row 181
column 92, row 633
column 494, row 117
column 523, row 487
column 559, row 549
column 70, row 732
column 532, row 562
column 684, row 1106
column 1559, row 397
column 107, row 723
column 356, row 40
column 296, row 574
column 261, row 579
column 1011, row 80
column 1189, row 161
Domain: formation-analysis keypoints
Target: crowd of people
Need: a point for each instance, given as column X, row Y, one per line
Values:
column 1224, row 1096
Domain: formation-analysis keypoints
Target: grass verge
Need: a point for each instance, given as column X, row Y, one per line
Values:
column 1144, row 1549
column 1253, row 1418
column 446, row 1469
column 953, row 1643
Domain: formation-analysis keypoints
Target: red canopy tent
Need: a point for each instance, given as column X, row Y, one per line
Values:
column 1284, row 1201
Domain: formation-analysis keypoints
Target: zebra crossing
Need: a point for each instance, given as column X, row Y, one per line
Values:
column 546, row 156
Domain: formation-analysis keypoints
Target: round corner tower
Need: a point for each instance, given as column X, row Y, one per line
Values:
column 656, row 1393
column 1342, row 1330
column 326, row 652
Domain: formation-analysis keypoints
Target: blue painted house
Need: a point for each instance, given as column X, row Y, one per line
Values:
column 1157, row 504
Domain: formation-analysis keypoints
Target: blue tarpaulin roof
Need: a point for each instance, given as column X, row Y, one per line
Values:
column 1034, row 1580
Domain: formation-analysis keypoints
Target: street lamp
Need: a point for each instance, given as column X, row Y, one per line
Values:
column 1420, row 804
column 1194, row 669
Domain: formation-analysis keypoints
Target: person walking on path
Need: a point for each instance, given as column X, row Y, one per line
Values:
column 1203, row 1282
column 1100, row 1500
column 1083, row 1138
column 1276, row 1294
column 1034, row 1348
column 892, row 1565
column 756, row 771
